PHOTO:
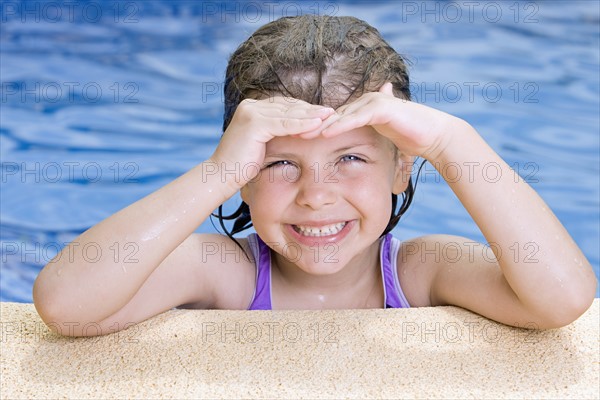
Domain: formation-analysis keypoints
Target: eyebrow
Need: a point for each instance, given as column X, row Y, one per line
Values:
column 352, row 146
column 337, row 151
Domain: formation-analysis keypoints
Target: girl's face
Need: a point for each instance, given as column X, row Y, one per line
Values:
column 322, row 202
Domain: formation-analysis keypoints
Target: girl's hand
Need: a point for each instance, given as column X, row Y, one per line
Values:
column 254, row 123
column 416, row 130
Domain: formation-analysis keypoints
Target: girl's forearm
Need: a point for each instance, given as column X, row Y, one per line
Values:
column 539, row 259
column 103, row 268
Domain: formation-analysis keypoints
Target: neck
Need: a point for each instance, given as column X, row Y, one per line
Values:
column 350, row 287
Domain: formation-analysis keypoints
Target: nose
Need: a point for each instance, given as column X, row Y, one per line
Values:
column 315, row 190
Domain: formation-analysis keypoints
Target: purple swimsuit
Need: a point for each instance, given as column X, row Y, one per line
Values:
column 388, row 253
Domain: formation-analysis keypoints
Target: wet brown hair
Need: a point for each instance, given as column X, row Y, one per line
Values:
column 322, row 60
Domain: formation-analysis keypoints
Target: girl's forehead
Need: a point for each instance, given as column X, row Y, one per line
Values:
column 361, row 137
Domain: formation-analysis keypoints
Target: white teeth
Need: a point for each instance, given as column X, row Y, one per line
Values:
column 320, row 231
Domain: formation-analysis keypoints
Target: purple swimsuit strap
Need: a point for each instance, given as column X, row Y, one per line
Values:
column 262, row 257
column 393, row 295
column 392, row 300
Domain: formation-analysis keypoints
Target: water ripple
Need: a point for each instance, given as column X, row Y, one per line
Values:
column 96, row 115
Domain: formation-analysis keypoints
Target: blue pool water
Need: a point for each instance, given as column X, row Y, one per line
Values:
column 104, row 102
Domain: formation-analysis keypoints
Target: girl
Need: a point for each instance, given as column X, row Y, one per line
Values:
column 320, row 137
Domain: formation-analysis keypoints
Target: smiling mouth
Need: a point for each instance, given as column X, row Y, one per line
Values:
column 326, row 230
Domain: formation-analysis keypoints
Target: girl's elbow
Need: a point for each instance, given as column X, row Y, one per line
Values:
column 41, row 299
column 583, row 299
column 43, row 304
column 57, row 324
column 570, row 308
column 50, row 309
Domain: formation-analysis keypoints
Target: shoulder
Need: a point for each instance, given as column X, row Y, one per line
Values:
column 423, row 262
column 436, row 249
column 223, row 267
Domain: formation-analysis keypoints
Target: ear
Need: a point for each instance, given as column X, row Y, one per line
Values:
column 244, row 193
column 387, row 88
column 404, row 166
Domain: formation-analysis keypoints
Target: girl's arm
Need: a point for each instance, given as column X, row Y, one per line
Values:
column 552, row 291
column 100, row 271
column 545, row 279
column 88, row 283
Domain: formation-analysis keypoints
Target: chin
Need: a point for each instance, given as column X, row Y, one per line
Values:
column 322, row 265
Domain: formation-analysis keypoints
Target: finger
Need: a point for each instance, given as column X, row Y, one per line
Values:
column 296, row 111
column 349, row 108
column 292, row 103
column 323, row 113
column 283, row 118
column 347, row 122
column 277, row 107
column 355, row 106
column 316, row 132
column 292, row 126
column 350, row 116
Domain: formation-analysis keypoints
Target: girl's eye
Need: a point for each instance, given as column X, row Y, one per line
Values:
column 350, row 158
column 279, row 163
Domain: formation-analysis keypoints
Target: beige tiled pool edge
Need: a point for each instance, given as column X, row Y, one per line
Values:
column 442, row 352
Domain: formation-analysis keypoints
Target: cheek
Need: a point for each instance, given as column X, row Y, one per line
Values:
column 370, row 190
column 268, row 195
column 273, row 180
column 266, row 198
column 260, row 204
column 376, row 177
column 377, row 198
